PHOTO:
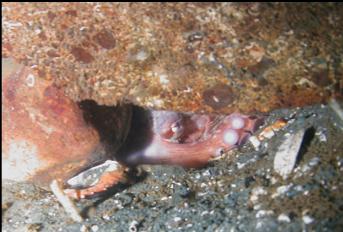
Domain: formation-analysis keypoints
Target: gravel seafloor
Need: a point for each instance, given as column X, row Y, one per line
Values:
column 239, row 192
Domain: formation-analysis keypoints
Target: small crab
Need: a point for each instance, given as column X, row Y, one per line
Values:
column 88, row 147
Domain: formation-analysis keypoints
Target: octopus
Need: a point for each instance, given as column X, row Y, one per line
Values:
column 171, row 138
column 89, row 147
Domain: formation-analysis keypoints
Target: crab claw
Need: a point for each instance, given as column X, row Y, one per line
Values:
column 95, row 180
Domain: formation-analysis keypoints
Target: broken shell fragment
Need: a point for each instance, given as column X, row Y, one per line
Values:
column 287, row 153
column 65, row 201
column 270, row 130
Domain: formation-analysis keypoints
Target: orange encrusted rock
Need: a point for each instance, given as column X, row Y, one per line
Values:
column 189, row 57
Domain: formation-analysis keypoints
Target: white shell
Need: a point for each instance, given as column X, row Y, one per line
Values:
column 287, row 153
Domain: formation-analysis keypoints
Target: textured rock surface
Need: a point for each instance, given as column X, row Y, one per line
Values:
column 187, row 57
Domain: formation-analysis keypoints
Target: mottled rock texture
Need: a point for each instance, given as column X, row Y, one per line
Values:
column 213, row 57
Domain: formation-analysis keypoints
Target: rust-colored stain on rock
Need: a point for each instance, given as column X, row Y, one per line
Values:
column 218, row 96
column 268, row 55
column 105, row 39
column 82, row 55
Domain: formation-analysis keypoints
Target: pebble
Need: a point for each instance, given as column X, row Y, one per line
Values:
column 321, row 135
column 106, row 217
column 95, row 228
column 256, row 192
column 307, row 219
column 133, row 226
column 83, row 228
column 282, row 190
column 255, row 142
column 283, row 218
column 262, row 213
column 314, row 161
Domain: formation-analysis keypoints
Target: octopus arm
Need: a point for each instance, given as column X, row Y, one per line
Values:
column 232, row 131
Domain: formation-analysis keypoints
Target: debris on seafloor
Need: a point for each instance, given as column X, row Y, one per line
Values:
column 305, row 168
column 306, row 218
column 287, row 153
column 283, row 218
column 255, row 142
column 133, row 226
column 337, row 109
column 65, row 201
column 267, row 133
column 270, row 130
column 256, row 192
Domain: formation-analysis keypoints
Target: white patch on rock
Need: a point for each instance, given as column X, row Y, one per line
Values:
column 142, row 55
column 158, row 102
column 164, row 79
column 30, row 80
column 21, row 160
